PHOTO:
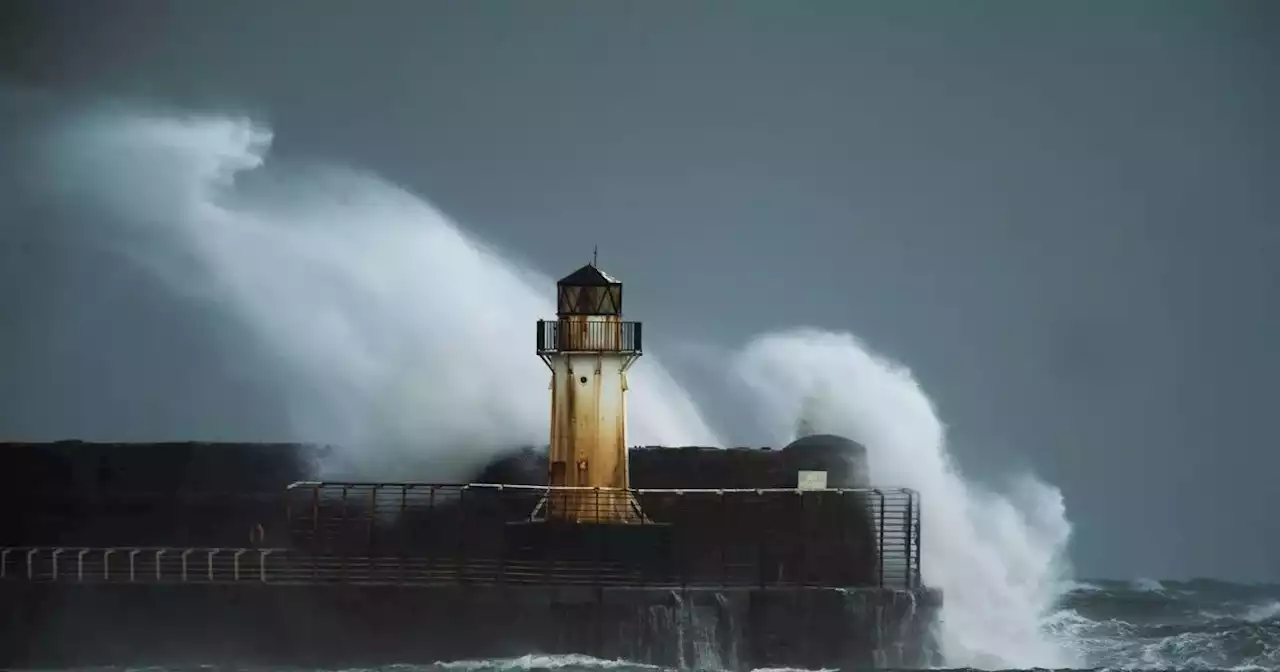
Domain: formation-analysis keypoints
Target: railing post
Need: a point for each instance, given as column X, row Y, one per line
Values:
column 31, row 570
column 683, row 552
column 315, row 521
column 601, row 540
column 314, row 544
column 880, row 537
column 502, row 543
column 4, row 562
column 235, row 565
column 160, row 553
column 724, row 533
column 287, row 499
column 909, row 529
column 406, row 531
column 919, row 523
column 762, row 535
column 133, row 565
column 842, row 521
column 462, row 551
column 80, row 564
column 106, row 564
column 54, row 563
column 185, row 553
column 430, row 569
column 262, row 565
column 342, row 534
column 209, row 561
column 802, row 526
column 549, row 547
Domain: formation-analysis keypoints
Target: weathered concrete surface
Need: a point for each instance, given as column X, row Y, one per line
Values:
column 93, row 468
column 157, row 467
column 44, row 625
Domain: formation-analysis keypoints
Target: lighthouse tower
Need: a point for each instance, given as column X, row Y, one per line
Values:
column 589, row 350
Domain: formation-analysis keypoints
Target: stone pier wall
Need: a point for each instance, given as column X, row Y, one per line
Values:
column 45, row 625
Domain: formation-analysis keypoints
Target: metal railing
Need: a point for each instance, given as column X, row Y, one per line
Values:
column 418, row 534
column 524, row 534
column 144, row 565
column 583, row 336
column 179, row 565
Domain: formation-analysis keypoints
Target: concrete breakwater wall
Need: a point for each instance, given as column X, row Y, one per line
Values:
column 144, row 554
column 58, row 625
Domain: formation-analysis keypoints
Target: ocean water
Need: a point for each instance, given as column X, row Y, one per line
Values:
column 1148, row 624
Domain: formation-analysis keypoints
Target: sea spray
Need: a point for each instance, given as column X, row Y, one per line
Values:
column 398, row 337
column 997, row 558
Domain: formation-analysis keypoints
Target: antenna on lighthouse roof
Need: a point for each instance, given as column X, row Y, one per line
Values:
column 595, row 252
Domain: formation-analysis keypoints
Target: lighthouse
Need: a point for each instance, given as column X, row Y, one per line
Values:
column 589, row 349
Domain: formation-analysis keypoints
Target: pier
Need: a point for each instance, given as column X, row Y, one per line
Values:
column 739, row 559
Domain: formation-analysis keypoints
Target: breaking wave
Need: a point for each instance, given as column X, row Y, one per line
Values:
column 397, row 336
column 996, row 557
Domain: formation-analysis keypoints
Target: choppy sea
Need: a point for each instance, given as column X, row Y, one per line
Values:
column 1113, row 625
column 1199, row 624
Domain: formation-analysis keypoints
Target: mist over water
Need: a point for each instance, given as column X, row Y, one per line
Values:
column 401, row 338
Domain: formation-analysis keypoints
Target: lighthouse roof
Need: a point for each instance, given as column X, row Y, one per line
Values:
column 589, row 276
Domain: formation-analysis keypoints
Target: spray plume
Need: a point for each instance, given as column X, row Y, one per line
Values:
column 996, row 558
column 399, row 338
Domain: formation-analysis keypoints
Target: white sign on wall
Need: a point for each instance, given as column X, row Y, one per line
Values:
column 811, row 480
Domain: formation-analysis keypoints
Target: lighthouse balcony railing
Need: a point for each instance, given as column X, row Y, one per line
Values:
column 559, row 336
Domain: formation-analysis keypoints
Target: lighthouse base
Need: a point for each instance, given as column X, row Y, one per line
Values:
column 597, row 505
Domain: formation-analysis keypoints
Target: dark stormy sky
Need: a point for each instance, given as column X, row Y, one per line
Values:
column 1062, row 216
